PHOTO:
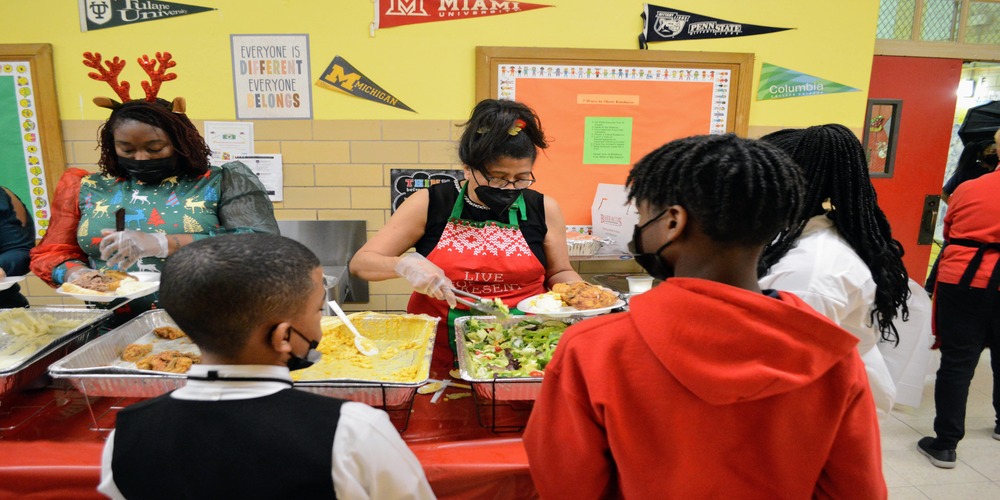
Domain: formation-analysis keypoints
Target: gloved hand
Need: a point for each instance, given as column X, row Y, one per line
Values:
column 73, row 272
column 122, row 249
column 425, row 277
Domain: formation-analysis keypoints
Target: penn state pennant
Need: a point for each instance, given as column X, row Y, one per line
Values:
column 340, row 75
column 392, row 13
column 664, row 24
column 102, row 14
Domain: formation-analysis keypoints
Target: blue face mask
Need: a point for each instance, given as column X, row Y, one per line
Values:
column 651, row 262
column 311, row 357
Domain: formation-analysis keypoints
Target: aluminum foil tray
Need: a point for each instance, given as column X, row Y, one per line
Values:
column 386, row 330
column 498, row 388
column 94, row 370
column 34, row 366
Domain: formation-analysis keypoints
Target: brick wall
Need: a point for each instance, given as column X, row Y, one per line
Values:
column 333, row 170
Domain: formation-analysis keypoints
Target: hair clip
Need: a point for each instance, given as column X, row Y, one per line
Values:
column 518, row 125
column 482, row 130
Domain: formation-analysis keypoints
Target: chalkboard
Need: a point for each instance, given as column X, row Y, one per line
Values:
column 31, row 148
column 603, row 110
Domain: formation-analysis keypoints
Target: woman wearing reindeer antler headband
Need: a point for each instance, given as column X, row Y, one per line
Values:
column 154, row 170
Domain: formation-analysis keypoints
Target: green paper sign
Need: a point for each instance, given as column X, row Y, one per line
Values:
column 607, row 140
column 780, row 83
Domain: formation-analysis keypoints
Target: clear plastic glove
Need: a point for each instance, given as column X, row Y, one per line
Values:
column 122, row 249
column 426, row 277
column 73, row 272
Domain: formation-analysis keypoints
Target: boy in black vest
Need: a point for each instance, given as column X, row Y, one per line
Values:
column 252, row 303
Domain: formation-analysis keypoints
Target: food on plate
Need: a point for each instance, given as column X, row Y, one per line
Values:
column 135, row 352
column 546, row 303
column 108, row 282
column 168, row 361
column 402, row 341
column 169, row 332
column 520, row 350
column 583, row 295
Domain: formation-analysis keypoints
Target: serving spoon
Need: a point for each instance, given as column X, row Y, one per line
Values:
column 364, row 344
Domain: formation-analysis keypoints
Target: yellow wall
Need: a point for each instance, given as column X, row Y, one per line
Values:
column 431, row 66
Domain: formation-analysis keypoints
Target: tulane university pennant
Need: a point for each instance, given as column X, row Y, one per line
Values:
column 101, row 14
column 663, row 24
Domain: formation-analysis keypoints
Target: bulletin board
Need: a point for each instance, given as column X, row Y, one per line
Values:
column 603, row 110
column 31, row 149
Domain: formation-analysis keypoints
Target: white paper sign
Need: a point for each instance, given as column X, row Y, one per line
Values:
column 269, row 169
column 271, row 76
column 228, row 139
column 613, row 218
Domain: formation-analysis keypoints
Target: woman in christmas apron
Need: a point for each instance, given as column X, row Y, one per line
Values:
column 488, row 235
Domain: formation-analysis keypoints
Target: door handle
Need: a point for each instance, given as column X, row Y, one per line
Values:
column 928, row 219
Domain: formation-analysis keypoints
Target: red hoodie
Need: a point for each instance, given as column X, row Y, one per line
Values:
column 703, row 390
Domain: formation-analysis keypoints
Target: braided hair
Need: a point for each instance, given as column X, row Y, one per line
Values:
column 738, row 191
column 189, row 147
column 833, row 161
column 490, row 134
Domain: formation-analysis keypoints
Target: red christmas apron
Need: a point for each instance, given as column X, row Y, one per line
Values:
column 489, row 259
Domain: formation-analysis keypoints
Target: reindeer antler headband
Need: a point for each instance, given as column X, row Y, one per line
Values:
column 155, row 68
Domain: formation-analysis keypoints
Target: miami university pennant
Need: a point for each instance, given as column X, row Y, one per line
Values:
column 392, row 13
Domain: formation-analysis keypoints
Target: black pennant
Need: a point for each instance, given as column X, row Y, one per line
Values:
column 663, row 24
column 101, row 14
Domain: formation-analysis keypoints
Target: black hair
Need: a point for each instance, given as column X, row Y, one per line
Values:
column 833, row 162
column 189, row 146
column 971, row 165
column 738, row 191
column 220, row 289
column 490, row 134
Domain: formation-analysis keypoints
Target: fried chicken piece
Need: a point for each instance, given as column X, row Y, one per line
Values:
column 169, row 332
column 168, row 361
column 134, row 352
column 583, row 295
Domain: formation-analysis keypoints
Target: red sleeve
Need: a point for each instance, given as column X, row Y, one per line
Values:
column 854, row 467
column 568, row 450
column 59, row 244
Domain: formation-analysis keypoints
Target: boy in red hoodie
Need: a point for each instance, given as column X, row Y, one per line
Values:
column 708, row 387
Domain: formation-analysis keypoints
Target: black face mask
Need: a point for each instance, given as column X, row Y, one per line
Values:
column 651, row 262
column 990, row 161
column 312, row 355
column 149, row 171
column 499, row 200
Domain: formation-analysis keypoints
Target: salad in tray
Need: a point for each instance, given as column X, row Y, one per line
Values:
column 519, row 350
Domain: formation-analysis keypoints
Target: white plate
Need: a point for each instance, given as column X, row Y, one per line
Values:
column 152, row 278
column 9, row 282
column 565, row 311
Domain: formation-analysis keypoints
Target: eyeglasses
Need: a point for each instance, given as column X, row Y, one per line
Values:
column 502, row 183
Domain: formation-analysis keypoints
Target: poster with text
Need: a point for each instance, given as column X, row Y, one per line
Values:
column 269, row 169
column 406, row 181
column 271, row 76
column 228, row 139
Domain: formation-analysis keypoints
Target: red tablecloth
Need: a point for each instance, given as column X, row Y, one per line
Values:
column 52, row 451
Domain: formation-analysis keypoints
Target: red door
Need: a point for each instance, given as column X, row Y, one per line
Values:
column 927, row 88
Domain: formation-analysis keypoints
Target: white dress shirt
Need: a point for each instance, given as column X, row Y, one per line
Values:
column 824, row 271
column 370, row 459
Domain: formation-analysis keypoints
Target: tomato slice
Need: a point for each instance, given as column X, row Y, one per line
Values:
column 536, row 373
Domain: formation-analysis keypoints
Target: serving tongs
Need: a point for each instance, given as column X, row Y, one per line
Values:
column 485, row 306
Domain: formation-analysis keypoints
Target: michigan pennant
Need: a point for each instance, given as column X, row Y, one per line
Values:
column 392, row 13
column 663, row 24
column 340, row 75
column 779, row 83
column 101, row 14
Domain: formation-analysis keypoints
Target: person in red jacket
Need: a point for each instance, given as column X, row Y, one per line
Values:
column 966, row 311
column 708, row 387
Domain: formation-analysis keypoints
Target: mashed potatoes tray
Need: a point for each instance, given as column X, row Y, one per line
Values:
column 388, row 379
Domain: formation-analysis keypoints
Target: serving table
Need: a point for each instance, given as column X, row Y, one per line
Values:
column 49, row 448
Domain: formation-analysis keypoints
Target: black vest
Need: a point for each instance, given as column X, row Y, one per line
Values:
column 278, row 446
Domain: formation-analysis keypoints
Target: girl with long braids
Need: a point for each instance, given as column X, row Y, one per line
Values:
column 489, row 235
column 154, row 168
column 839, row 254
